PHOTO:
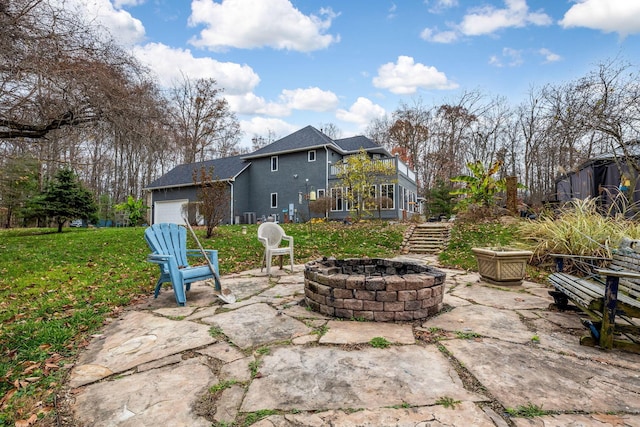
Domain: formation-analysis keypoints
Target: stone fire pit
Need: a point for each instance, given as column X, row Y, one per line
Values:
column 373, row 289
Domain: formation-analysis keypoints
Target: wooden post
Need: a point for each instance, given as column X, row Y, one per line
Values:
column 609, row 312
column 512, row 194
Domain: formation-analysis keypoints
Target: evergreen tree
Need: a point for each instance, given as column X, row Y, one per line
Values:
column 18, row 184
column 66, row 198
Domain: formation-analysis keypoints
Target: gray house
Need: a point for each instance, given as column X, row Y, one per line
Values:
column 278, row 180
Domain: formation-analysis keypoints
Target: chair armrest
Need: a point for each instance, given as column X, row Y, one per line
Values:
column 211, row 254
column 198, row 252
column 159, row 258
column 264, row 241
column 163, row 259
column 288, row 238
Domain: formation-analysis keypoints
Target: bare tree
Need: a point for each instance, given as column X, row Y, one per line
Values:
column 56, row 71
column 213, row 198
column 378, row 131
column 331, row 130
column 259, row 141
column 201, row 119
column 71, row 97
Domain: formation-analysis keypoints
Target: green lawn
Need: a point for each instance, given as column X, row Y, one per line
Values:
column 57, row 288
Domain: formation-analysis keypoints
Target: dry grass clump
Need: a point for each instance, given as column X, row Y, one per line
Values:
column 578, row 229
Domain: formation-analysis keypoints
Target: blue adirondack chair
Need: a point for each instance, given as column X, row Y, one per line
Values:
column 168, row 242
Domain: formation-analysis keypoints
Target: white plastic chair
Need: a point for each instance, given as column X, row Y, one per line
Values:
column 270, row 235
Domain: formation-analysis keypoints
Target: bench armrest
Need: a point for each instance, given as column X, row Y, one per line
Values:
column 585, row 263
column 617, row 273
column 599, row 258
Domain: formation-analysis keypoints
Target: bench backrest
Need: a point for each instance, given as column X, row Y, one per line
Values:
column 627, row 257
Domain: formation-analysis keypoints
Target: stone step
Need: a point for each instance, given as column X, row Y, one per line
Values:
column 429, row 238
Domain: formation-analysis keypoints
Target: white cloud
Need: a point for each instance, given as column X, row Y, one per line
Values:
column 435, row 36
column 263, row 126
column 312, row 99
column 362, row 112
column 510, row 58
column 405, row 77
column 438, row 6
column 127, row 3
column 123, row 27
column 169, row 63
column 250, row 103
column 609, row 16
column 250, row 24
column 549, row 56
column 488, row 19
column 392, row 11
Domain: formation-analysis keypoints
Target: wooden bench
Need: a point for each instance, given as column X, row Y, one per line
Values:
column 612, row 291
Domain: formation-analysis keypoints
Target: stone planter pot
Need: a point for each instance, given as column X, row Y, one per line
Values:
column 502, row 266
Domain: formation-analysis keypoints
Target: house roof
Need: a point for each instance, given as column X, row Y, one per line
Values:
column 354, row 143
column 309, row 137
column 226, row 168
column 306, row 138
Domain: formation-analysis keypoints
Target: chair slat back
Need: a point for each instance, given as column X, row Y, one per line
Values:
column 272, row 232
column 168, row 239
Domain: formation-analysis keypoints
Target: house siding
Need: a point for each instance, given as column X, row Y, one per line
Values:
column 289, row 182
column 190, row 193
column 241, row 200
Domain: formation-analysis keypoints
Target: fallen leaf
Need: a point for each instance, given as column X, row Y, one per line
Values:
column 26, row 423
column 7, row 396
column 30, row 369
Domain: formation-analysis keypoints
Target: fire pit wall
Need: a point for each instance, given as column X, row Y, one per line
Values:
column 373, row 289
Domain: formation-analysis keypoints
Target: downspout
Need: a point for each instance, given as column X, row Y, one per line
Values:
column 232, row 218
column 326, row 174
column 327, row 192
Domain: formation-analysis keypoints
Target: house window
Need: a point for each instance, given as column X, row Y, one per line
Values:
column 274, row 200
column 274, row 163
column 336, row 199
column 386, row 192
column 311, row 154
column 413, row 205
column 346, row 195
column 405, row 196
column 321, row 193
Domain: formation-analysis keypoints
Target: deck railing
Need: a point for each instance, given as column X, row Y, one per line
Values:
column 400, row 166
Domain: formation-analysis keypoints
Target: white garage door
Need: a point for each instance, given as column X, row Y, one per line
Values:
column 169, row 211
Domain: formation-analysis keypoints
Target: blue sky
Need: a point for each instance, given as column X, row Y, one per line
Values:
column 285, row 64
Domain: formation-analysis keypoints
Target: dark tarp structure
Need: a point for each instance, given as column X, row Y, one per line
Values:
column 601, row 177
